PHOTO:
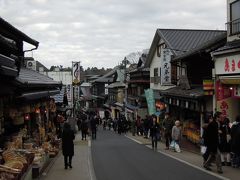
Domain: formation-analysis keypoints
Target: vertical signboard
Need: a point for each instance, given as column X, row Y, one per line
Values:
column 75, row 80
column 76, row 73
column 150, row 101
column 166, row 67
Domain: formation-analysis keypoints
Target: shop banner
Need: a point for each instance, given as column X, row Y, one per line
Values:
column 76, row 73
column 149, row 94
column 227, row 107
column 227, row 64
column 166, row 67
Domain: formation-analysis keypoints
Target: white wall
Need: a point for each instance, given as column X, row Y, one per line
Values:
column 64, row 76
column 156, row 63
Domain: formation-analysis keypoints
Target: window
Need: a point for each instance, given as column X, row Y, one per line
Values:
column 155, row 72
column 234, row 18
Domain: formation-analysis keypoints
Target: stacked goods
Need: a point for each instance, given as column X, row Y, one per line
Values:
column 8, row 173
column 191, row 131
column 14, row 160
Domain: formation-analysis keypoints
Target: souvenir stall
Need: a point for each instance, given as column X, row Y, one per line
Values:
column 29, row 148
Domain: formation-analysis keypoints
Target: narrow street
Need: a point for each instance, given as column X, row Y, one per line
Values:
column 119, row 158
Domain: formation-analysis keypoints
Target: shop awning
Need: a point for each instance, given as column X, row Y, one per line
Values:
column 230, row 79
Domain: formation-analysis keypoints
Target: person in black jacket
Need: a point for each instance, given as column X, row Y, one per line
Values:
column 168, row 124
column 67, row 145
column 235, row 142
column 212, row 143
column 224, row 145
column 155, row 132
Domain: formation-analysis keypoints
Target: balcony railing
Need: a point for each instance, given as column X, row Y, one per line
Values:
column 233, row 27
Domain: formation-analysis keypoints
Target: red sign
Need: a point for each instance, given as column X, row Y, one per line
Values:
column 230, row 66
column 222, row 91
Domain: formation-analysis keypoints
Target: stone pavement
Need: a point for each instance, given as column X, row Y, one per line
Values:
column 82, row 164
column 190, row 158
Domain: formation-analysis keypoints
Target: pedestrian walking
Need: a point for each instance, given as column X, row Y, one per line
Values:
column 224, row 145
column 167, row 127
column 93, row 125
column 213, row 131
column 84, row 129
column 154, row 132
column 235, row 143
column 67, row 145
column 177, row 135
column 205, row 138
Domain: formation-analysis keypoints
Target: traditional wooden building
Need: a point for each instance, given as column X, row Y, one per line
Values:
column 179, row 61
column 138, row 82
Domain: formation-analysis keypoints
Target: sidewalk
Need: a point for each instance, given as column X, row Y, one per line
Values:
column 193, row 159
column 81, row 162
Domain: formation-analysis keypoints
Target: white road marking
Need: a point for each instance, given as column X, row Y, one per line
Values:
column 90, row 162
column 134, row 139
column 194, row 166
column 180, row 160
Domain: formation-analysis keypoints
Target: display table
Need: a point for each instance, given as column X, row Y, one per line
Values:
column 38, row 168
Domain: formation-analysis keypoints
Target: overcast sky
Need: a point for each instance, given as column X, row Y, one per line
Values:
column 99, row 33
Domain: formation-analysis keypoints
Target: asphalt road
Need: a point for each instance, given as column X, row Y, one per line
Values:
column 115, row 157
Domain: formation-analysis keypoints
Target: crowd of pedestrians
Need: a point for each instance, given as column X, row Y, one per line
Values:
column 221, row 140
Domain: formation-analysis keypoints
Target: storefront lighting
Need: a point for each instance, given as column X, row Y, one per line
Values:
column 231, row 88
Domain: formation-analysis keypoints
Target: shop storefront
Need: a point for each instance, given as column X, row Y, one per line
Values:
column 191, row 107
column 227, row 82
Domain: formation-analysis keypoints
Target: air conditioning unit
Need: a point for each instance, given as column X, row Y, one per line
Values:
column 32, row 65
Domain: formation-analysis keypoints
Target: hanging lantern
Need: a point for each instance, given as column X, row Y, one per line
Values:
column 37, row 110
column 26, row 117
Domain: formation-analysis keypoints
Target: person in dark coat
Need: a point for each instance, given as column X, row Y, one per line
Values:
column 205, row 139
column 67, row 145
column 154, row 132
column 235, row 142
column 168, row 124
column 93, row 124
column 84, row 129
column 224, row 144
column 212, row 143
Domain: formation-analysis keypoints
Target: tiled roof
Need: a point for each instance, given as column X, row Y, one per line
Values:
column 180, row 41
column 107, row 77
column 228, row 46
column 30, row 77
column 194, row 92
